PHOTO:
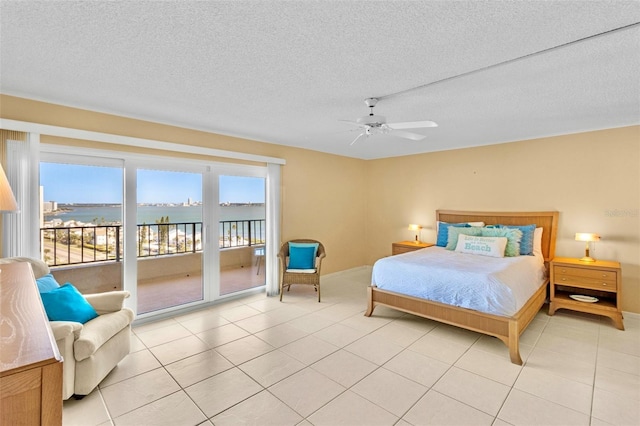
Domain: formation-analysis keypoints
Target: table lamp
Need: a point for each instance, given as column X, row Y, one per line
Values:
column 7, row 200
column 587, row 238
column 417, row 229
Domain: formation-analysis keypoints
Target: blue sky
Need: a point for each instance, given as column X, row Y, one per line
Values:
column 70, row 183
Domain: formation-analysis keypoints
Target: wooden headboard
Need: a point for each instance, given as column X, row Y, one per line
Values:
column 546, row 220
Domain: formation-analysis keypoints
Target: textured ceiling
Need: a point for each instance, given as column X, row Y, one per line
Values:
column 287, row 72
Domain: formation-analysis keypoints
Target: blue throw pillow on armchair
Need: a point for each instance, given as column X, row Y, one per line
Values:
column 301, row 257
column 65, row 303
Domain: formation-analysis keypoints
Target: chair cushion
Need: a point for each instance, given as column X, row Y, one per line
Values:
column 99, row 330
column 65, row 303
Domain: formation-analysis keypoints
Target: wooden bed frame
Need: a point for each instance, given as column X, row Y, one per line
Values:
column 507, row 329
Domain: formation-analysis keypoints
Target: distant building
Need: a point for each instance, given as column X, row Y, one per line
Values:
column 99, row 240
column 49, row 206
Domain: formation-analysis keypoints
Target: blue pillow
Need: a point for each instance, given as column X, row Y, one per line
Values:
column 443, row 232
column 314, row 245
column 526, row 243
column 47, row 283
column 65, row 303
column 301, row 257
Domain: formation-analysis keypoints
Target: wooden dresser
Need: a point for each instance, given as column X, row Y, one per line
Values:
column 30, row 364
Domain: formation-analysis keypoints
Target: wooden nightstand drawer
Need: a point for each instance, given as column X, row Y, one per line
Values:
column 582, row 282
column 596, row 274
column 407, row 246
column 402, row 249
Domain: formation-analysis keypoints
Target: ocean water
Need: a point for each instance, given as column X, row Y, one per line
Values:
column 149, row 214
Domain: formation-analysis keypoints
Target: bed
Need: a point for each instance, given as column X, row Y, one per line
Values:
column 507, row 328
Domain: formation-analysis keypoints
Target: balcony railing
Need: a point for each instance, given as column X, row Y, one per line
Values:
column 100, row 243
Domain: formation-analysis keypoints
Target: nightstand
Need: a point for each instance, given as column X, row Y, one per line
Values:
column 601, row 279
column 406, row 246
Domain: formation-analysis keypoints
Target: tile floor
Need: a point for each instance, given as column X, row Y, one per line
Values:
column 258, row 361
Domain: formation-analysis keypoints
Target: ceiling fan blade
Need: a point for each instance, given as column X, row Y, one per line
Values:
column 412, row 124
column 407, row 135
column 356, row 139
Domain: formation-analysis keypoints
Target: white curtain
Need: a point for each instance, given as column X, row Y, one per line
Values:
column 21, row 231
column 273, row 229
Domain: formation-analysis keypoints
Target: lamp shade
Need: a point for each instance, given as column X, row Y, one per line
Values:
column 7, row 200
column 414, row 227
column 585, row 236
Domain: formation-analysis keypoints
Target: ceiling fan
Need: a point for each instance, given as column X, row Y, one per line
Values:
column 376, row 124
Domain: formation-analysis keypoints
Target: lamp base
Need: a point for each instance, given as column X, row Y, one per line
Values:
column 587, row 259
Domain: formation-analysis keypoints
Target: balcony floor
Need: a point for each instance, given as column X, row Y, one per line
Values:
column 175, row 290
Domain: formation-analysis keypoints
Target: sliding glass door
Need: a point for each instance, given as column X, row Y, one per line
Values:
column 169, row 242
column 242, row 232
column 80, row 228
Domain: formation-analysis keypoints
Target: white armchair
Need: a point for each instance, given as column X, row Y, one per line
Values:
column 91, row 350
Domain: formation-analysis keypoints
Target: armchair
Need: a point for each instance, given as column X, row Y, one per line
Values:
column 300, row 276
column 91, row 350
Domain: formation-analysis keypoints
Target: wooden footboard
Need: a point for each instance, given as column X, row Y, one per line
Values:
column 507, row 329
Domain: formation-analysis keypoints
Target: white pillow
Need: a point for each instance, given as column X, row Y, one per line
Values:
column 537, row 242
column 484, row 246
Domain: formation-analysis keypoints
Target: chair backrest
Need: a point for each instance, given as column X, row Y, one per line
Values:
column 284, row 248
column 38, row 266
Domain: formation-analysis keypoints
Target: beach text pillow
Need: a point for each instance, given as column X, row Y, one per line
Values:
column 484, row 246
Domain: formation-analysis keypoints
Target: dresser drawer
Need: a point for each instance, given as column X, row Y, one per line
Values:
column 596, row 274
column 585, row 282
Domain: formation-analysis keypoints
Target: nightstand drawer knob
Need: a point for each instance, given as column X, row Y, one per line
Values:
column 564, row 279
column 604, row 284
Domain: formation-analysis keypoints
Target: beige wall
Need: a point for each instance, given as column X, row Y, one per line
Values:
column 592, row 179
column 358, row 208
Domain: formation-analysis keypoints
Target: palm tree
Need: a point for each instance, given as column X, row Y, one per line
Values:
column 163, row 232
column 142, row 237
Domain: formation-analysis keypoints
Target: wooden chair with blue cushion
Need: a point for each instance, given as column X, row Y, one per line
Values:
column 300, row 262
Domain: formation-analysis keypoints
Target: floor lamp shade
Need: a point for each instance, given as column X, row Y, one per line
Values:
column 7, row 200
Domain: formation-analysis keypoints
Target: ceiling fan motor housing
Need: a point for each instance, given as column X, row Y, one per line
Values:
column 372, row 120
